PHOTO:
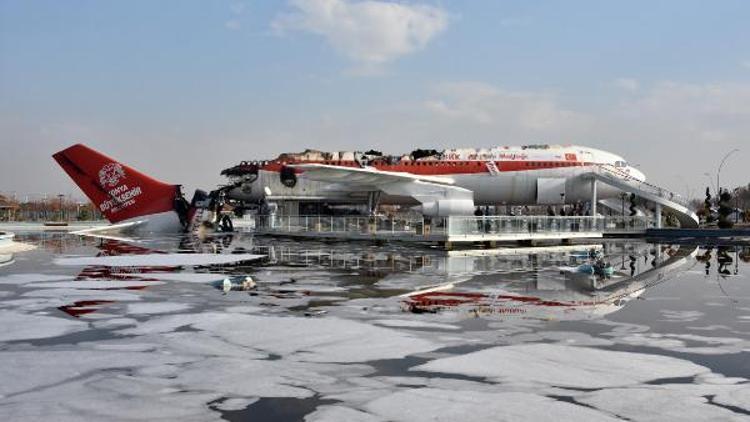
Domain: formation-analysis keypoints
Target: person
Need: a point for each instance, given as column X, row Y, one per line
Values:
column 478, row 213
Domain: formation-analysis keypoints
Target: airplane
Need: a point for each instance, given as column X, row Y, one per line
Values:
column 437, row 184
column 452, row 182
column 135, row 202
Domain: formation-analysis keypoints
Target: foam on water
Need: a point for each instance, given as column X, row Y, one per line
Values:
column 571, row 366
column 157, row 342
column 430, row 404
column 23, row 326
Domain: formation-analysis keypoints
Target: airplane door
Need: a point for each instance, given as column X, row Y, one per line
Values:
column 550, row 190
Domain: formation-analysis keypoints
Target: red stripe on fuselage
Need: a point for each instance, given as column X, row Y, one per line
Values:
column 438, row 168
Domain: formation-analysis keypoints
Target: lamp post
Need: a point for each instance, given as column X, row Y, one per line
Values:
column 718, row 171
column 736, row 193
column 60, row 197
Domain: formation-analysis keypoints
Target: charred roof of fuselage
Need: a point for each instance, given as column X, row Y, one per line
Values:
column 314, row 155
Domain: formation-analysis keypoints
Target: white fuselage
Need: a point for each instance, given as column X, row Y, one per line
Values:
column 506, row 175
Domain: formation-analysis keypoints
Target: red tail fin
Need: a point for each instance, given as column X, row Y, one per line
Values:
column 119, row 191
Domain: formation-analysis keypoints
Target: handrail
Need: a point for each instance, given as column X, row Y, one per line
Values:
column 447, row 226
column 642, row 185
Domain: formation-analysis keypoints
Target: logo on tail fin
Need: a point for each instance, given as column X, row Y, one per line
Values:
column 111, row 174
column 121, row 192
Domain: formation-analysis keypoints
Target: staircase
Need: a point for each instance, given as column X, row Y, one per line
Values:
column 619, row 179
column 492, row 168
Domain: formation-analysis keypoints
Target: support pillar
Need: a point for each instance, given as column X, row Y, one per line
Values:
column 594, row 198
column 657, row 216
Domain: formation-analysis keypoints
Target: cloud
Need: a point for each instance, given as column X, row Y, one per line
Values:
column 667, row 113
column 718, row 112
column 628, row 84
column 233, row 24
column 515, row 22
column 529, row 113
column 237, row 8
column 369, row 32
column 745, row 64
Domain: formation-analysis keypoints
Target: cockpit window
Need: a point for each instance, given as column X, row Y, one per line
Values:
column 621, row 164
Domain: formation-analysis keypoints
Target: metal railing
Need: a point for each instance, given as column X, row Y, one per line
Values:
column 499, row 225
column 640, row 185
column 454, row 226
column 346, row 224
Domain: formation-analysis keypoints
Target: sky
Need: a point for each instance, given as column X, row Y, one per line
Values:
column 181, row 89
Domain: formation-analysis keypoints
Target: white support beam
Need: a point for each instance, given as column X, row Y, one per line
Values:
column 657, row 216
column 594, row 198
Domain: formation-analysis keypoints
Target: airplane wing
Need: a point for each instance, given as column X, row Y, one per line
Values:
column 367, row 176
column 428, row 190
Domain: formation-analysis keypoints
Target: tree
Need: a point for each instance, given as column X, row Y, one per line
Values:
column 632, row 208
column 707, row 206
column 725, row 210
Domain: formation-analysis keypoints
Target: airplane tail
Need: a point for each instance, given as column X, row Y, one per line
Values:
column 119, row 191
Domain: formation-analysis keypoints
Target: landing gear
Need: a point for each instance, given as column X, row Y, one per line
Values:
column 373, row 199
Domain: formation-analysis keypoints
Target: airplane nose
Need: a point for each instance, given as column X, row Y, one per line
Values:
column 637, row 174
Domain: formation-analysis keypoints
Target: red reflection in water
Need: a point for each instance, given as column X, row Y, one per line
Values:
column 83, row 307
column 434, row 302
column 105, row 273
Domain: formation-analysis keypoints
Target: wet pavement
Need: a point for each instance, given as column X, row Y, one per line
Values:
column 241, row 328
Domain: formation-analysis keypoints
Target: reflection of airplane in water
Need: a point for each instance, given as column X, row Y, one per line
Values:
column 142, row 276
column 571, row 297
column 523, row 282
column 526, row 282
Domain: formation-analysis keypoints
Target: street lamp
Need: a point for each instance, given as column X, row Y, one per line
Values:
column 718, row 172
column 60, row 197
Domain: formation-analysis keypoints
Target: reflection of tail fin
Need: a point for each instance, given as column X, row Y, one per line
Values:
column 119, row 191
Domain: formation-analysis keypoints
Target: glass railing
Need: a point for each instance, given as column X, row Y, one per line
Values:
column 348, row 224
column 499, row 225
column 450, row 226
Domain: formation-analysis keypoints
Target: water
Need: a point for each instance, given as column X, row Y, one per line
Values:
column 357, row 331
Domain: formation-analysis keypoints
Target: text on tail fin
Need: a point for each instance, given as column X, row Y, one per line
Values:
column 119, row 191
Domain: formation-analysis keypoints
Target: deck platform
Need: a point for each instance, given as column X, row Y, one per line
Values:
column 447, row 231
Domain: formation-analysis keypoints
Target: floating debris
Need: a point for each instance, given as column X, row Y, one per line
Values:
column 243, row 284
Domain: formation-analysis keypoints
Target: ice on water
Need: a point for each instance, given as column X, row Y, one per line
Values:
column 333, row 332
column 567, row 366
column 26, row 326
